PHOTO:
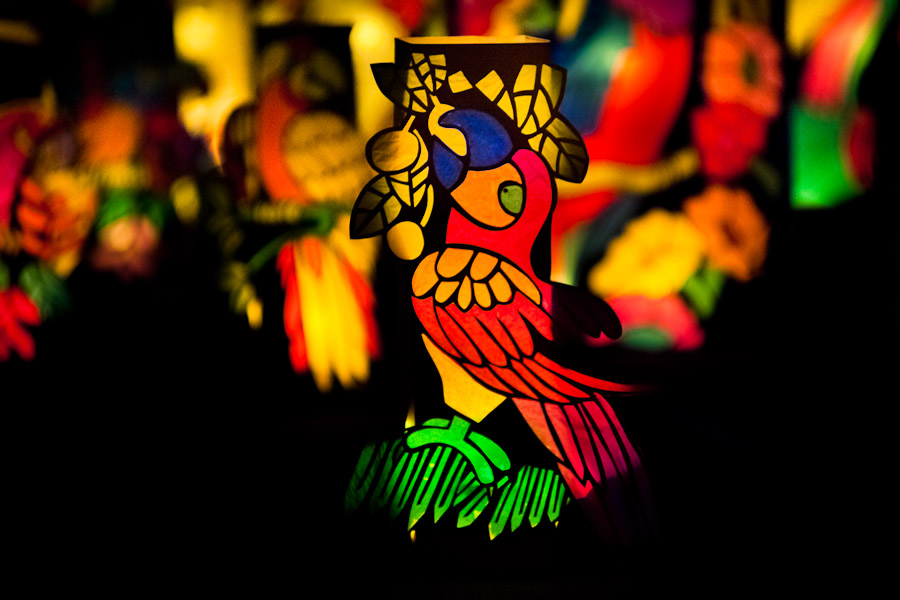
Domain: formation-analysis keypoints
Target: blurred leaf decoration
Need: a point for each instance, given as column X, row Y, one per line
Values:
column 445, row 466
column 657, row 236
column 294, row 163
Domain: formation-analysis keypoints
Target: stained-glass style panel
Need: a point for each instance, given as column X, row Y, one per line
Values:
column 446, row 467
column 493, row 141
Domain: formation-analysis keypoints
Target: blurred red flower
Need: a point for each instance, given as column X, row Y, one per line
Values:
column 16, row 309
column 727, row 137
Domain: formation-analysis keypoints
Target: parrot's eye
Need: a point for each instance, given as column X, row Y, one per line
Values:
column 511, row 196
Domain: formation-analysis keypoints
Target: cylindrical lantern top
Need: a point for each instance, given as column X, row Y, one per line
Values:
column 477, row 55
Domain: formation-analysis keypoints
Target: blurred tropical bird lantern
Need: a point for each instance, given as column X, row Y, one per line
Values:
column 464, row 193
column 294, row 163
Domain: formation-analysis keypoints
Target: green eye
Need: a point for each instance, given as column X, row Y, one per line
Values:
column 511, row 196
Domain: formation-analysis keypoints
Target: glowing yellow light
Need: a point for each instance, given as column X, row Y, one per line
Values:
column 185, row 199
column 255, row 313
column 410, row 415
column 412, row 535
column 195, row 31
column 216, row 37
column 371, row 41
column 19, row 32
column 367, row 34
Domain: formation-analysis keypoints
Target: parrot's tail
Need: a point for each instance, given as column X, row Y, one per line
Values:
column 600, row 466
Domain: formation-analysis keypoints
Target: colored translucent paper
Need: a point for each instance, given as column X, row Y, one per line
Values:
column 294, row 162
column 468, row 175
column 431, row 471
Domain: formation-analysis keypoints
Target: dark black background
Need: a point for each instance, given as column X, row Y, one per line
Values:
column 157, row 443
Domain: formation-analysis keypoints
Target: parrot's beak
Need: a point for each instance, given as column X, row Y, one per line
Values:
column 494, row 198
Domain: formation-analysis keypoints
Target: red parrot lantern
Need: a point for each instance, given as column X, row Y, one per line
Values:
column 465, row 190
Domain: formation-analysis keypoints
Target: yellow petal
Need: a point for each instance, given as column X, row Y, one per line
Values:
column 522, row 282
column 500, row 287
column 482, row 266
column 452, row 261
column 464, row 299
column 425, row 277
column 445, row 290
column 482, row 295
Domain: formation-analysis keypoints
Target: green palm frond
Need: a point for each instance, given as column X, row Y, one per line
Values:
column 444, row 477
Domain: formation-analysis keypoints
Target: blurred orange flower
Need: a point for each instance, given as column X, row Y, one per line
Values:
column 56, row 217
column 741, row 64
column 736, row 232
column 329, row 306
column 109, row 132
column 127, row 246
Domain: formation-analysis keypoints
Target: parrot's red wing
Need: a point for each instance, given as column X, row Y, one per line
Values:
column 498, row 343
column 484, row 312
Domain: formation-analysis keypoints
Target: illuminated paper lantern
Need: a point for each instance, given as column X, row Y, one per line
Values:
column 464, row 188
column 294, row 162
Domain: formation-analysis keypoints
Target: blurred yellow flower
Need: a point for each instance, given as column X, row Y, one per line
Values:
column 653, row 257
column 329, row 306
column 735, row 231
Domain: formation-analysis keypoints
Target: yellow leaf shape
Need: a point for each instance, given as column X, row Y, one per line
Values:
column 420, row 177
column 490, row 85
column 401, row 177
column 391, row 209
column 418, row 194
column 453, row 261
column 459, row 83
column 542, row 110
column 552, row 82
column 550, row 151
column 403, row 193
column 505, row 104
column 530, row 127
column 526, row 79
column 522, row 282
column 425, row 277
column 412, row 80
column 429, row 205
column 523, row 104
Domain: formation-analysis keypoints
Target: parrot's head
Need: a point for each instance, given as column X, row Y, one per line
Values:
column 499, row 190
column 472, row 157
